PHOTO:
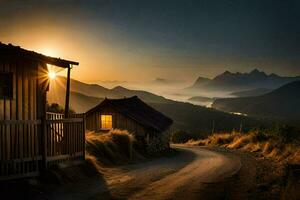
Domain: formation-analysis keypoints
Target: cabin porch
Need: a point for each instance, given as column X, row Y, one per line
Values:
column 27, row 146
column 32, row 140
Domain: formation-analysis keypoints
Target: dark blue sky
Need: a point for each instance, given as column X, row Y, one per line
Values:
column 198, row 37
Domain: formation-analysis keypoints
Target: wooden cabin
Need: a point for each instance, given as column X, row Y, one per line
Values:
column 132, row 114
column 29, row 141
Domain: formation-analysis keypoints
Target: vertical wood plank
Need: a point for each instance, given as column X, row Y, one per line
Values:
column 1, row 100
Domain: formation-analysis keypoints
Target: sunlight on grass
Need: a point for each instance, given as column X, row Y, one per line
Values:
column 110, row 148
column 268, row 146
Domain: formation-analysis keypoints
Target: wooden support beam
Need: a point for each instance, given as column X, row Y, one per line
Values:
column 67, row 103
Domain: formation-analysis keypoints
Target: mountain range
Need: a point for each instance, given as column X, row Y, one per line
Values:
column 84, row 96
column 186, row 116
column 282, row 103
column 235, row 82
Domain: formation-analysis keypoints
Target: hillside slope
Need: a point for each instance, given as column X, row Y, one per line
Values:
column 186, row 116
column 201, row 120
column 282, row 103
column 101, row 92
column 251, row 93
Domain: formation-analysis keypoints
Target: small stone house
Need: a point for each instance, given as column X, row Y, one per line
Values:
column 149, row 126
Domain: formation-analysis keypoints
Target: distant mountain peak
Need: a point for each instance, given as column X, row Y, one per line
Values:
column 256, row 72
column 227, row 73
column 273, row 75
column 236, row 81
column 119, row 88
column 200, row 80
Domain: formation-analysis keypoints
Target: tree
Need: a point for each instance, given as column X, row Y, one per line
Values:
column 56, row 108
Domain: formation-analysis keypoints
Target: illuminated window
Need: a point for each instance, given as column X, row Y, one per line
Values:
column 106, row 122
column 6, row 85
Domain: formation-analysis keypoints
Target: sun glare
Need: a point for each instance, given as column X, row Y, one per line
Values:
column 52, row 75
column 49, row 52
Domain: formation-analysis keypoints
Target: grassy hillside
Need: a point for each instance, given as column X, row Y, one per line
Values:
column 282, row 103
column 271, row 158
column 200, row 120
column 281, row 145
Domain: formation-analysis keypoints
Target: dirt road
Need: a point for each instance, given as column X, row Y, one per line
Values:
column 185, row 176
column 194, row 173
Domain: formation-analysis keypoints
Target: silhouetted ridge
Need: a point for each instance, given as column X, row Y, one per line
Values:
column 234, row 82
column 282, row 103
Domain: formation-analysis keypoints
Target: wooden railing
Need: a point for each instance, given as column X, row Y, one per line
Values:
column 26, row 146
column 19, row 148
column 65, row 139
column 51, row 115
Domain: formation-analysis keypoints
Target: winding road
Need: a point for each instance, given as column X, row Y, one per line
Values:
column 193, row 173
column 185, row 176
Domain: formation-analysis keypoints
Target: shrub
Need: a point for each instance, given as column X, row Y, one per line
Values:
column 240, row 141
column 287, row 134
column 181, row 137
column 221, row 139
column 56, row 108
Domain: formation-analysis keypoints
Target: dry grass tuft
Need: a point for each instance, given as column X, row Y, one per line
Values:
column 282, row 147
column 295, row 158
column 114, row 147
column 239, row 141
column 196, row 142
column 265, row 145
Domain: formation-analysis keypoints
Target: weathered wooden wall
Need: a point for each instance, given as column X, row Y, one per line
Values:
column 20, row 117
column 26, row 137
column 20, row 107
column 30, row 82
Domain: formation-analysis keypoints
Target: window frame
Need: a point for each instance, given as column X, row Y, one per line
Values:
column 9, row 85
column 106, row 121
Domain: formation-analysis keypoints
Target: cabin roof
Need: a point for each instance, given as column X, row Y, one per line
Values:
column 137, row 110
column 11, row 50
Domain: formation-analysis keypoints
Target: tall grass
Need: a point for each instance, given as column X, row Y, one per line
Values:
column 114, row 147
column 280, row 148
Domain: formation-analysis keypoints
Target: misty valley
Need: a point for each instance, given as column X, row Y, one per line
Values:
column 257, row 88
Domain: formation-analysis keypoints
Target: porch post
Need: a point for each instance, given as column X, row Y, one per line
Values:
column 67, row 103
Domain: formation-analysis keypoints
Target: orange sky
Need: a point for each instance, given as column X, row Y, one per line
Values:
column 98, row 62
column 111, row 43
